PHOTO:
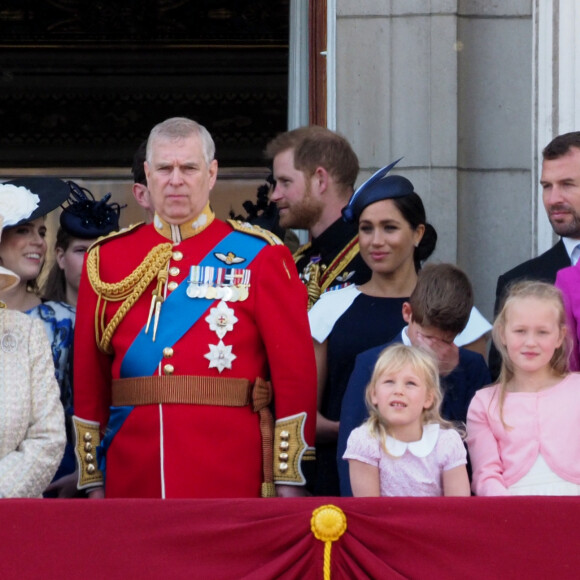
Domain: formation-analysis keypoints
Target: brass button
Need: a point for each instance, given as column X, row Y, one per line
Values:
column 90, row 468
column 283, row 457
column 168, row 369
column 174, row 271
column 284, row 445
column 88, row 437
column 172, row 285
column 177, row 256
column 167, row 352
column 89, row 458
column 284, row 435
column 283, row 467
column 88, row 447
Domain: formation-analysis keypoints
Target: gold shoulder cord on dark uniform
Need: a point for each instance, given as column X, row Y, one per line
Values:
column 320, row 277
column 312, row 285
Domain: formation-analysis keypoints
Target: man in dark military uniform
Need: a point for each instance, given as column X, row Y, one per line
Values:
column 315, row 170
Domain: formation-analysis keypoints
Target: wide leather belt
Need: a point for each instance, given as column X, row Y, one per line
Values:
column 193, row 390
column 181, row 390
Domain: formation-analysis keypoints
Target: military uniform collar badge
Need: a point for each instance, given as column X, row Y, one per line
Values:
column 179, row 232
column 345, row 276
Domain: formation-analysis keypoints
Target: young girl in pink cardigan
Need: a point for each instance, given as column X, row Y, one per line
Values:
column 523, row 433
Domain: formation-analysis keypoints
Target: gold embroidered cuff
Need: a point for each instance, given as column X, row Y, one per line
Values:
column 87, row 439
column 289, row 448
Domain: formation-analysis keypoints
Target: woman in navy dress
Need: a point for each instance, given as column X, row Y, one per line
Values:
column 394, row 240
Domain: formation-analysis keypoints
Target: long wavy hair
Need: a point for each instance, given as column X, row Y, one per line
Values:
column 559, row 363
column 54, row 287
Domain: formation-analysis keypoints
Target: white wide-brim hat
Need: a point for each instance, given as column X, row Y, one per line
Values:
column 23, row 200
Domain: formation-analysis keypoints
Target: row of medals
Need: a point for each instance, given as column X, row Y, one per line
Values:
column 228, row 284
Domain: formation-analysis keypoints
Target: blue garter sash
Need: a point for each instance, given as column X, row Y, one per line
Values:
column 179, row 313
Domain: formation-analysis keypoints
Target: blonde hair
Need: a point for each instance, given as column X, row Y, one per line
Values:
column 393, row 359
column 518, row 291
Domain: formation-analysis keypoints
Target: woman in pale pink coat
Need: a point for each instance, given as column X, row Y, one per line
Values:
column 32, row 433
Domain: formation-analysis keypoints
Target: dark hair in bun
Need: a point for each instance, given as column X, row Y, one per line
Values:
column 412, row 209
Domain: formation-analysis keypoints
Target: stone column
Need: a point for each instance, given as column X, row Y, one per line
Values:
column 556, row 89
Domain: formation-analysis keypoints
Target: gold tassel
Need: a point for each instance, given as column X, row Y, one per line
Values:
column 328, row 524
column 312, row 285
column 156, row 302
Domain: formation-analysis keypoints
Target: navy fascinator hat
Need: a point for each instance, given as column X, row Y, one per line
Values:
column 86, row 218
column 378, row 187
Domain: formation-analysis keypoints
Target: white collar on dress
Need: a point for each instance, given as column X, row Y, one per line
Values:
column 420, row 448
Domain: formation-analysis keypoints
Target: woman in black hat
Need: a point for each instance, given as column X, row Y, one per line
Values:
column 23, row 246
column 23, row 250
column 394, row 240
column 32, row 434
column 82, row 221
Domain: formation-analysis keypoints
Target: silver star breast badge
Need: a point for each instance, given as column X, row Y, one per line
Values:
column 221, row 319
column 220, row 356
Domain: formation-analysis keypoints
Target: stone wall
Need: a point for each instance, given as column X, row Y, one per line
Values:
column 447, row 85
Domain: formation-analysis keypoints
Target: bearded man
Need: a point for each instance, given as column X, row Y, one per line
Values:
column 560, row 183
column 315, row 170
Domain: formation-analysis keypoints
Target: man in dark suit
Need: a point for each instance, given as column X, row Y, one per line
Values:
column 560, row 182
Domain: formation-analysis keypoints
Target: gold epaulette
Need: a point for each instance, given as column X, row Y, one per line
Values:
column 289, row 450
column 256, row 231
column 297, row 255
column 122, row 232
column 321, row 276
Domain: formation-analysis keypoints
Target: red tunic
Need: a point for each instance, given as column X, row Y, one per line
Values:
column 178, row 451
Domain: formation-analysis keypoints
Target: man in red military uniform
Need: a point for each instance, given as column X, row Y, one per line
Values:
column 182, row 326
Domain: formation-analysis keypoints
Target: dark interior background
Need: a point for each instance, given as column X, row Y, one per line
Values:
column 83, row 81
